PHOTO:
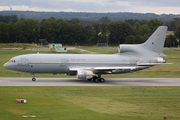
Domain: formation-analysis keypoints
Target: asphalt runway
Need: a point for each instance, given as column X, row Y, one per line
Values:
column 26, row 81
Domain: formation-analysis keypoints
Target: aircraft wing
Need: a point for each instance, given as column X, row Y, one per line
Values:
column 101, row 68
column 139, row 65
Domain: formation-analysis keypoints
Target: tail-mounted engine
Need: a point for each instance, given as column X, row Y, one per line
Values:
column 124, row 48
column 160, row 60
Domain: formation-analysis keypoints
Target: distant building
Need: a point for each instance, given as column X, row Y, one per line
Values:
column 58, row 47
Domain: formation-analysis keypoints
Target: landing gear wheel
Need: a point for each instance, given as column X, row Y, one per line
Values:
column 98, row 79
column 33, row 79
column 102, row 80
column 95, row 79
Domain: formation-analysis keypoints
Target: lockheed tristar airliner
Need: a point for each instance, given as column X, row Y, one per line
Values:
column 130, row 58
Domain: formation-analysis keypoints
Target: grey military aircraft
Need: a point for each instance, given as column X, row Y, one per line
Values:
column 130, row 58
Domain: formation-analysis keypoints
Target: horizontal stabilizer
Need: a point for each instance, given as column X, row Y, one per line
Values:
column 152, row 64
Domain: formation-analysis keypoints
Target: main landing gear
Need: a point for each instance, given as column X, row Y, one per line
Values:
column 33, row 79
column 97, row 79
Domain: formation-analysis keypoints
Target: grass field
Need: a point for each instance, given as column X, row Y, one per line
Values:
column 19, row 45
column 90, row 103
column 170, row 33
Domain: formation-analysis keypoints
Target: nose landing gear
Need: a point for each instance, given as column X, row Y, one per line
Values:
column 33, row 79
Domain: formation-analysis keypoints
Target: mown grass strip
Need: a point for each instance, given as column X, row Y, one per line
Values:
column 79, row 103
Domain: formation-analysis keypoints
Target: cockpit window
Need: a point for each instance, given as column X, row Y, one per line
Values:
column 12, row 61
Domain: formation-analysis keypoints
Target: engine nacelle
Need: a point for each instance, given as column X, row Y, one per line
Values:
column 124, row 48
column 84, row 74
column 160, row 60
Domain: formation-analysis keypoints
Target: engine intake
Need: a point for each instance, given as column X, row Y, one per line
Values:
column 84, row 74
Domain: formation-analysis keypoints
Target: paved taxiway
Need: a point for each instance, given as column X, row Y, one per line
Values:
column 26, row 81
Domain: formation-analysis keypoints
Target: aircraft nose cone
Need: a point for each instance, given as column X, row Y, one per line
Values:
column 9, row 66
column 6, row 65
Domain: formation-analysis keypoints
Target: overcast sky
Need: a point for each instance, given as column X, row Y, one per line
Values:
column 136, row 6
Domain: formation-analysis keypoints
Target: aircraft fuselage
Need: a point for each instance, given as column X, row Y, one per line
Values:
column 60, row 63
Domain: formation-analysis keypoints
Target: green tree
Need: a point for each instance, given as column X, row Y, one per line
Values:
column 171, row 41
column 1, row 18
column 136, row 28
column 177, row 32
column 7, row 19
column 144, row 30
column 74, row 21
column 88, row 34
column 76, row 34
column 48, row 30
column 52, row 18
column 142, row 22
column 13, row 19
column 63, row 32
column 12, row 33
column 42, row 21
column 22, row 19
column 129, row 40
column 132, row 22
column 96, row 36
column 103, row 33
column 118, row 32
column 153, row 24
column 171, row 25
column 4, row 32
column 27, row 31
column 105, row 19
column 36, row 31
column 60, row 20
column 139, row 39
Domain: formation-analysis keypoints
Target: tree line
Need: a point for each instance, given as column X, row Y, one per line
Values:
column 115, row 16
column 72, row 32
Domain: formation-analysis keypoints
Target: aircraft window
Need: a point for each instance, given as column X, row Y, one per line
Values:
column 12, row 61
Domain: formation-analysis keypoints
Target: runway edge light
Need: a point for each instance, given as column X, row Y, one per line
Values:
column 21, row 100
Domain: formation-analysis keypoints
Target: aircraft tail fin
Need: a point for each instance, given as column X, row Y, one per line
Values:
column 156, row 40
